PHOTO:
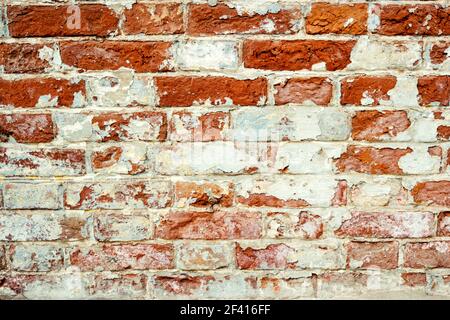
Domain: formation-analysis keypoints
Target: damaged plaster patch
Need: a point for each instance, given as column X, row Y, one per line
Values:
column 404, row 94
column 419, row 162
column 375, row 55
column 205, row 54
column 254, row 7
column 123, row 88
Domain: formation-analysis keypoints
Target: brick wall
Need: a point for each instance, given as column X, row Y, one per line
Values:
column 240, row 149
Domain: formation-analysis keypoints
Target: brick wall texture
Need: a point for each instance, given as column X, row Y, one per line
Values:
column 224, row 149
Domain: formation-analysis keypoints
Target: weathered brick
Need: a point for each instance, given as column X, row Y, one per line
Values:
column 122, row 257
column 187, row 91
column 422, row 19
column 288, row 124
column 435, row 254
column 378, row 192
column 32, row 196
column 203, row 194
column 443, row 228
column 397, row 161
column 269, row 18
column 46, row 286
column 3, row 262
column 209, row 226
column 43, row 226
column 36, row 257
column 195, row 126
column 218, row 157
column 22, row 58
column 228, row 286
column 45, row 92
column 286, row 157
column 372, row 255
column 148, row 18
column 125, row 159
column 388, row 225
column 317, row 90
column 304, row 225
column 411, row 279
column 297, row 54
column 296, row 192
column 42, row 162
column 145, row 126
column 337, row 18
column 112, row 55
column 27, row 128
column 379, row 125
column 118, row 286
column 118, row 195
column 193, row 256
column 274, row 256
column 54, row 21
column 112, row 226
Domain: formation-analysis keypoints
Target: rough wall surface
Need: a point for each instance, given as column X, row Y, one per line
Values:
column 241, row 149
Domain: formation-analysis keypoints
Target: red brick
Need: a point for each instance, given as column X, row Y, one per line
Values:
column 300, row 90
column 337, row 18
column 372, row 255
column 221, row 19
column 431, row 20
column 210, row 226
column 432, row 193
column 25, row 93
column 274, row 256
column 388, row 225
column 427, row 255
column 54, row 21
column 434, row 90
column 27, row 128
column 379, row 125
column 438, row 51
column 365, row 90
column 22, row 58
column 123, row 257
column 443, row 133
column 297, row 54
column 189, row 126
column 443, row 228
column 371, row 160
column 111, row 55
column 187, row 91
column 159, row 18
